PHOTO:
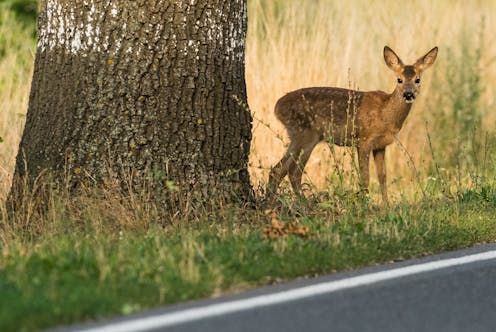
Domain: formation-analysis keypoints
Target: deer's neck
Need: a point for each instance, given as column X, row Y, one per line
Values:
column 396, row 110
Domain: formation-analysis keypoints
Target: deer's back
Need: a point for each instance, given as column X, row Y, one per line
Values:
column 321, row 109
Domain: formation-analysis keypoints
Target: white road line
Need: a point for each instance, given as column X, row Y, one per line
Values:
column 188, row 315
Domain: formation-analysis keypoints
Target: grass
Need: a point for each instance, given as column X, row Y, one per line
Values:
column 329, row 43
column 16, row 61
column 84, row 264
column 103, row 253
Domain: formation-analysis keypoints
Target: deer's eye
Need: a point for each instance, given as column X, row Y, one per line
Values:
column 400, row 80
column 417, row 81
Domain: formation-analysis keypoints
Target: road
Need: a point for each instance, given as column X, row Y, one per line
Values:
column 448, row 292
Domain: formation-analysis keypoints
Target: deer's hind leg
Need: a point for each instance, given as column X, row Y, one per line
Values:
column 279, row 171
column 294, row 161
column 308, row 142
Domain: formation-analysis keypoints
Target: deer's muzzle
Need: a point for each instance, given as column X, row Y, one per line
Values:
column 409, row 97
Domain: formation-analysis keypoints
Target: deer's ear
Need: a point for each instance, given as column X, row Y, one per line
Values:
column 392, row 60
column 427, row 60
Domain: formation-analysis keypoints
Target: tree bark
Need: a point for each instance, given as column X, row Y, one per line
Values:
column 134, row 92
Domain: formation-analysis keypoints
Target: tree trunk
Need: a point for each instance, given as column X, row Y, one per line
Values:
column 145, row 91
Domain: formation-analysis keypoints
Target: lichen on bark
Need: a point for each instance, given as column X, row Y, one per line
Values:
column 146, row 92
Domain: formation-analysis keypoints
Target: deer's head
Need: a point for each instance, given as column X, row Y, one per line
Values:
column 409, row 76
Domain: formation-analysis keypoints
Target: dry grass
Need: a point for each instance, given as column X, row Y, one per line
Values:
column 15, row 78
column 294, row 44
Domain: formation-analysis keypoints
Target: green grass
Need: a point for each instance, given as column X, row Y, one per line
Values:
column 84, row 265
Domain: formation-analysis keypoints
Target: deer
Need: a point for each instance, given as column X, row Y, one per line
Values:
column 366, row 120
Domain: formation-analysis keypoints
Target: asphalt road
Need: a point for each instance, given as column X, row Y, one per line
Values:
column 447, row 292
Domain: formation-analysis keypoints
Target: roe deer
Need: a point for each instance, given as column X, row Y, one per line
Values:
column 367, row 120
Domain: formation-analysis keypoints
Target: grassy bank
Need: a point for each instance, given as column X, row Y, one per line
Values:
column 451, row 123
column 105, row 253
column 99, row 257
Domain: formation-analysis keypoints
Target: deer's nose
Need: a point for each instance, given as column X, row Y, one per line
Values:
column 409, row 97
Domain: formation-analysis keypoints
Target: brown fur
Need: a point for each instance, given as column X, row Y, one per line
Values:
column 367, row 120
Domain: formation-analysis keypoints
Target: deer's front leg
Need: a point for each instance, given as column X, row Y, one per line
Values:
column 364, row 150
column 380, row 166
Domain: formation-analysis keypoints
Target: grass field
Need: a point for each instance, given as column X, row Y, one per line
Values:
column 294, row 44
column 101, row 254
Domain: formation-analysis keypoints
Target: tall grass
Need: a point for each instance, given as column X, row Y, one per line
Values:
column 16, row 59
column 463, row 94
column 294, row 44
